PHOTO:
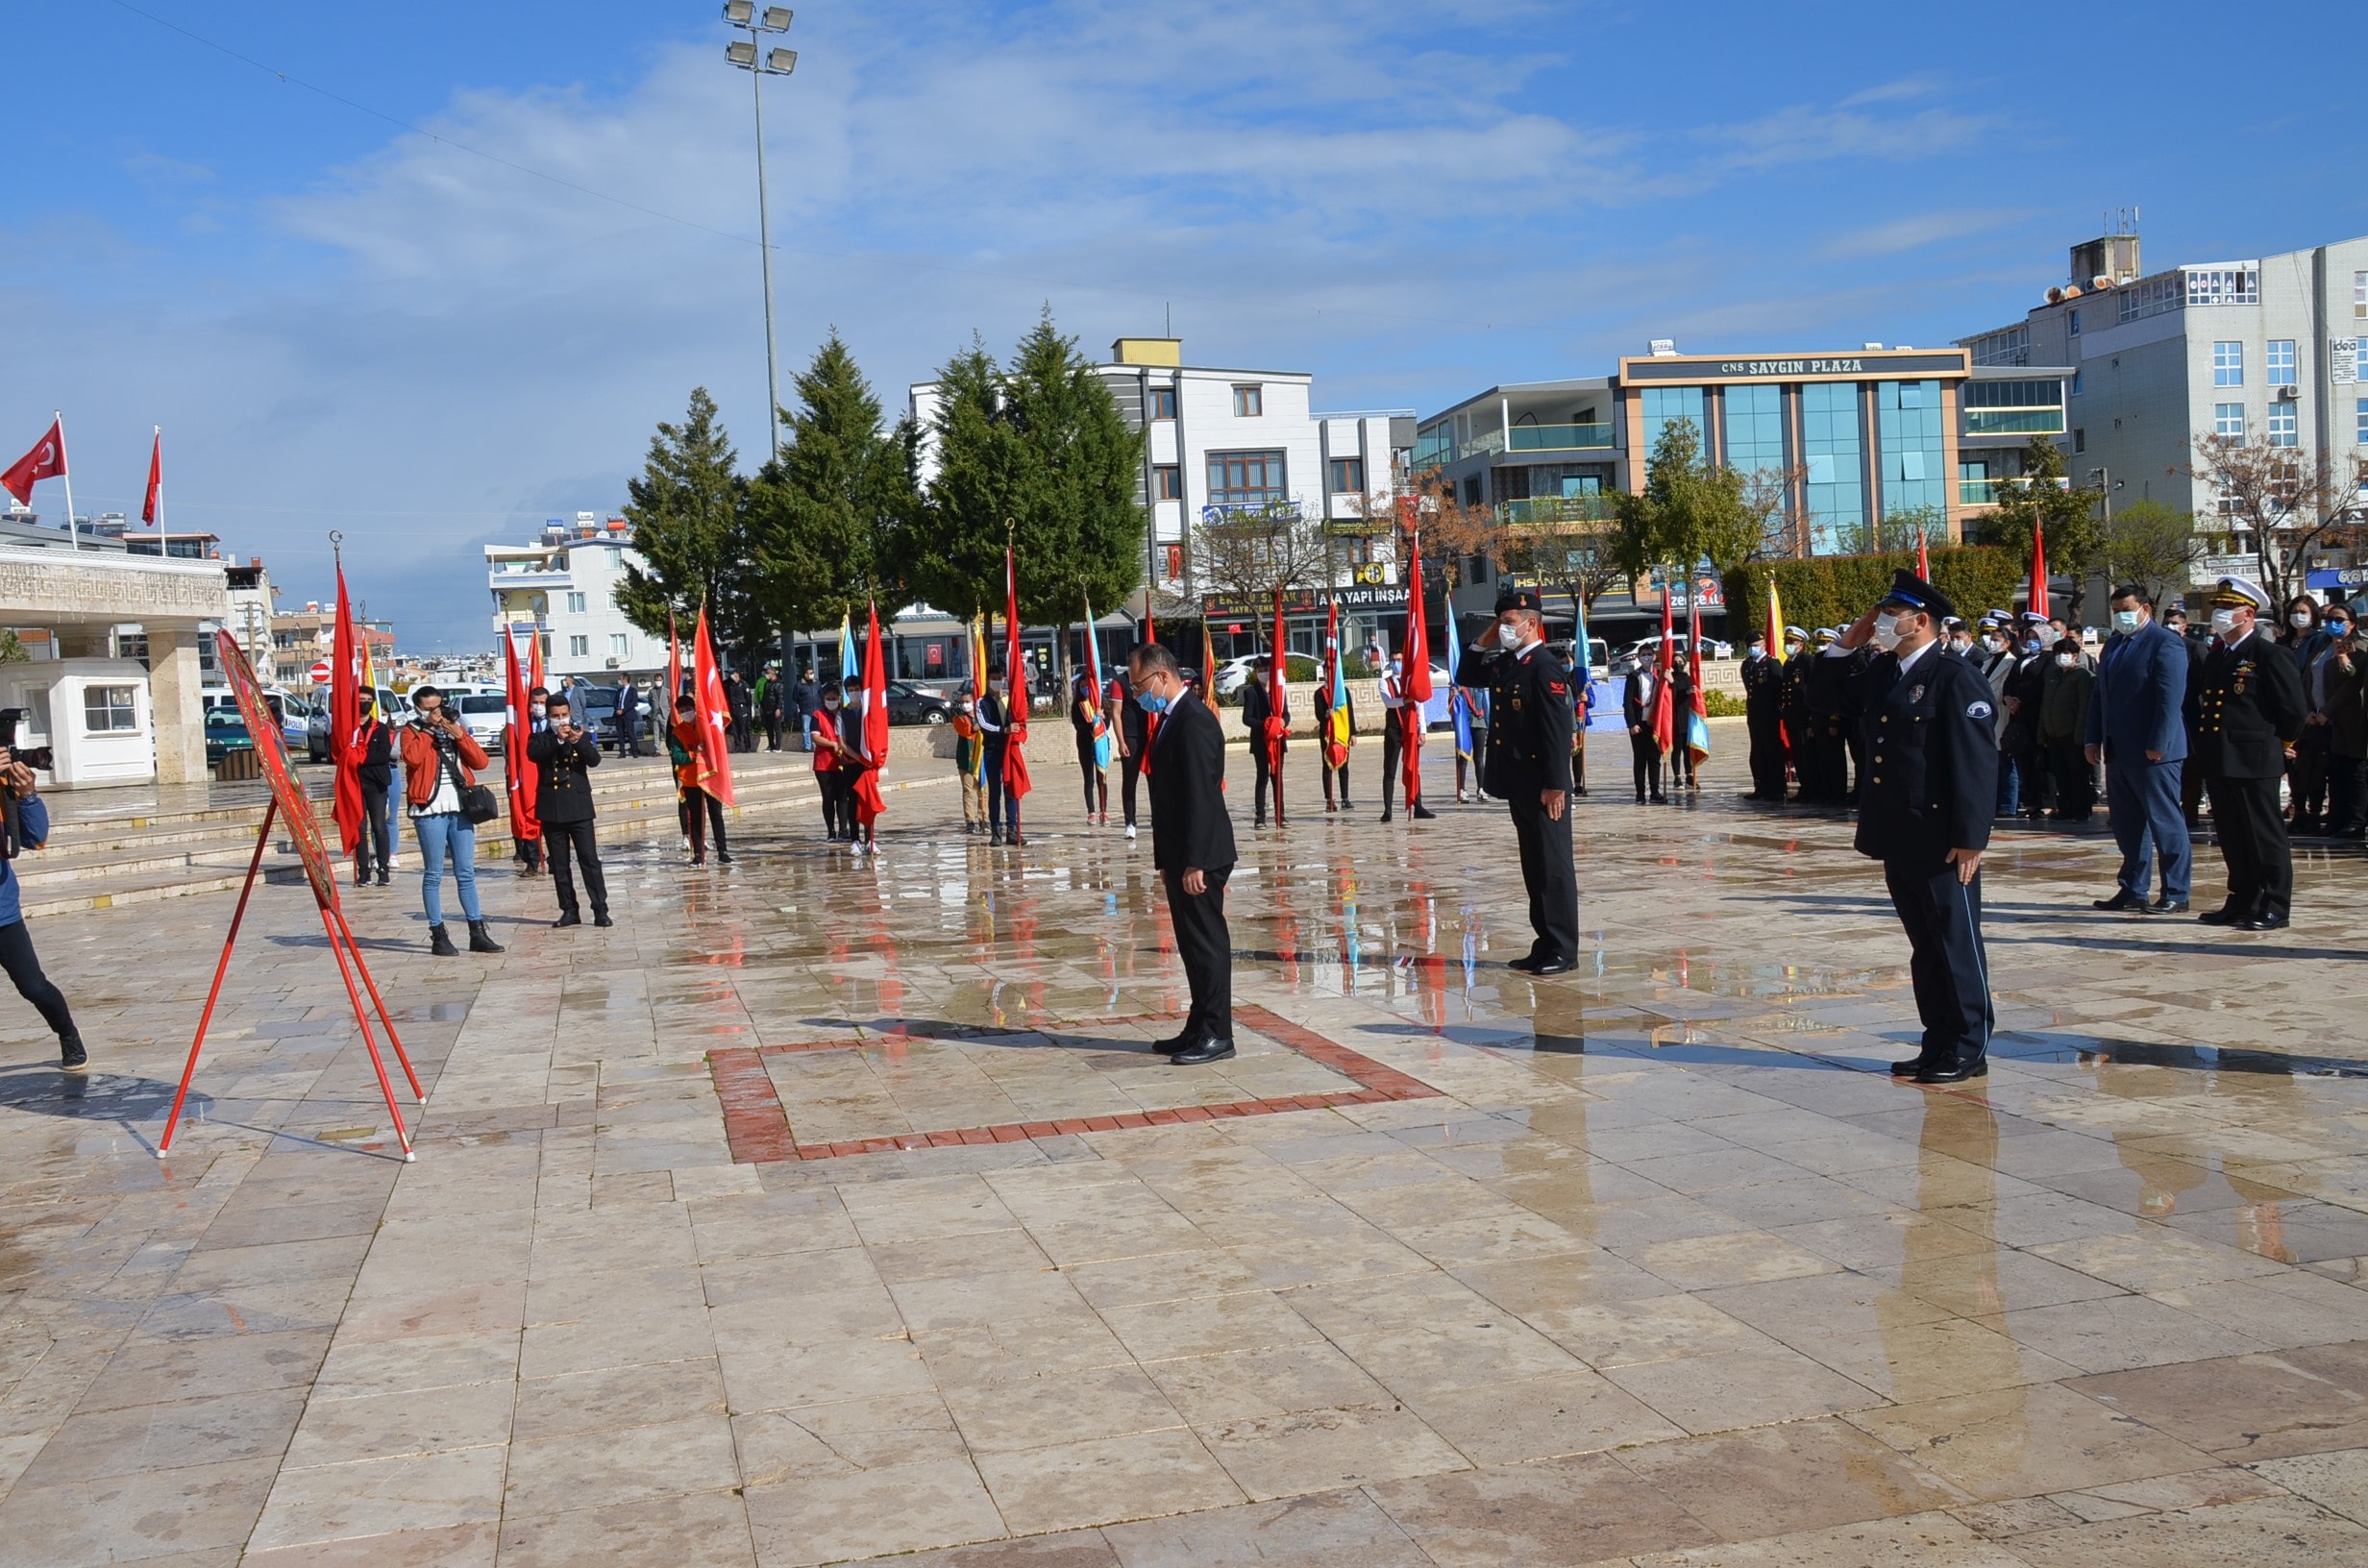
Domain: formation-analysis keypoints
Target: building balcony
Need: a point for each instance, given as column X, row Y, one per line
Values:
column 1977, row 492
column 1559, row 437
column 1552, row 510
column 2014, row 422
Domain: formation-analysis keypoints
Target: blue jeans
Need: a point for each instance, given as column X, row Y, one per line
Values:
column 2010, row 780
column 436, row 834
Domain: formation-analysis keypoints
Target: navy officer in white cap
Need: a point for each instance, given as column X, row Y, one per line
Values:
column 1924, row 811
column 2248, row 708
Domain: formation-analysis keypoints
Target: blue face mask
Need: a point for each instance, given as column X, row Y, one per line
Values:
column 1151, row 701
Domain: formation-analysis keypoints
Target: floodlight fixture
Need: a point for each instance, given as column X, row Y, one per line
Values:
column 782, row 62
column 776, row 19
column 741, row 52
column 739, row 11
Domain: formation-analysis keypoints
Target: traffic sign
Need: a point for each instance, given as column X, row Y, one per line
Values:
column 320, row 673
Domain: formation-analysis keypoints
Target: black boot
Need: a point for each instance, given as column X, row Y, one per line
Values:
column 70, row 1053
column 440, row 942
column 480, row 940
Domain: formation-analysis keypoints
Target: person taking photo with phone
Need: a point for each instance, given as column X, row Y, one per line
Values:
column 27, row 827
column 440, row 759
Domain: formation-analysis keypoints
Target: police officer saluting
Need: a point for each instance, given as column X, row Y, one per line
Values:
column 1527, row 766
column 2248, row 708
column 1924, row 811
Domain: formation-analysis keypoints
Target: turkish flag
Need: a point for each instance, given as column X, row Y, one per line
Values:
column 1016, row 783
column 1415, row 673
column 46, row 461
column 871, row 729
column 149, row 507
column 714, row 713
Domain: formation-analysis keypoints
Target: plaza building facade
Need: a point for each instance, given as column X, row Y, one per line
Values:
column 564, row 588
column 2264, row 350
column 1862, row 444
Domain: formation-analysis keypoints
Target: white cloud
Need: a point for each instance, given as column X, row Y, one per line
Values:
column 430, row 350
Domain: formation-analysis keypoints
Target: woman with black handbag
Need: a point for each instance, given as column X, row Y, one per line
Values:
column 439, row 783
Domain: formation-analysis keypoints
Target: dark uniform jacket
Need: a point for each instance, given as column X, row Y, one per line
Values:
column 2026, row 684
column 1191, row 829
column 1530, row 718
column 1796, row 693
column 563, row 794
column 1930, row 782
column 376, row 768
column 1830, row 678
column 1763, row 686
column 2248, row 708
column 1256, row 708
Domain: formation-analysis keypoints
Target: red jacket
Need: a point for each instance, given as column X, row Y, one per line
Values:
column 420, row 766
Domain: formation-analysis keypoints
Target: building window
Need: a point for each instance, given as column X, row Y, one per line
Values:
column 2360, row 414
column 1167, row 482
column 2359, row 296
column 1907, row 420
column 580, row 648
column 1246, row 478
column 132, row 645
column 1755, row 429
column 2228, row 421
column 1665, row 407
column 1348, row 476
column 2228, row 364
column 2073, row 322
column 2282, row 423
column 2076, row 388
column 618, row 644
column 1831, row 448
column 2279, row 367
column 2223, row 285
column 109, row 710
column 1163, row 403
column 2010, row 346
column 2079, row 439
column 575, row 604
column 1249, row 402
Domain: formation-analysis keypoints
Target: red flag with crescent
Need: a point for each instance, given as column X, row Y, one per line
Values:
column 154, row 503
column 1015, row 687
column 871, row 732
column 46, row 461
column 714, row 713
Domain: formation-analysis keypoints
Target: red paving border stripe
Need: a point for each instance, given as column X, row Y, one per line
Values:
column 757, row 1126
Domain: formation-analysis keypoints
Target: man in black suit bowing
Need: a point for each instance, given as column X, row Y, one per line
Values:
column 1191, row 844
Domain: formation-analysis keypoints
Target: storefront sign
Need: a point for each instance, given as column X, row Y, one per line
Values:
column 2343, row 360
column 1871, row 364
column 2339, row 576
column 1306, row 600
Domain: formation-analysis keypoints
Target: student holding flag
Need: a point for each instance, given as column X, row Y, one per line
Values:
column 1336, row 717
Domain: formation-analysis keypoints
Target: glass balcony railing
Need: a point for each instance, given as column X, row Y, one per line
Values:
column 1433, row 452
column 1559, row 437
column 2014, row 422
column 1977, row 492
column 1556, row 509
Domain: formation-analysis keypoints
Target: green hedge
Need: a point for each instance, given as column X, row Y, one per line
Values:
column 1722, row 704
column 1835, row 589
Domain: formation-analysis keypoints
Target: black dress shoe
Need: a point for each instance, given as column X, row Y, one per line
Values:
column 1953, row 1072
column 603, row 920
column 71, row 1056
column 1527, row 961
column 2124, row 899
column 2222, row 917
column 1545, row 967
column 571, row 917
column 2265, row 922
column 1178, row 1043
column 2167, row 906
column 1423, row 814
column 1909, row 1067
column 1202, row 1050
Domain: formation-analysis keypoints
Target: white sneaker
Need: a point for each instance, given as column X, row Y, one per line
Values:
column 1462, row 799
column 1130, row 831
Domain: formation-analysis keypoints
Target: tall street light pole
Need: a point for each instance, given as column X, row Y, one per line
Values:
column 760, row 63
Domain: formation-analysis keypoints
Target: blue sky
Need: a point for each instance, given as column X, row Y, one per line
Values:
column 343, row 324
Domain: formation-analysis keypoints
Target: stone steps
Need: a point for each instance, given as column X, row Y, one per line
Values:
column 102, row 860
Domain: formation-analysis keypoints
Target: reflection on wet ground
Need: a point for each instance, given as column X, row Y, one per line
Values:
column 828, row 1210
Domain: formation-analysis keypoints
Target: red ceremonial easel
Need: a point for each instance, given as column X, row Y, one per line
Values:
column 289, row 801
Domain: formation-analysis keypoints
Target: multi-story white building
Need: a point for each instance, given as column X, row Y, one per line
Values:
column 564, row 587
column 2266, row 349
column 1224, row 441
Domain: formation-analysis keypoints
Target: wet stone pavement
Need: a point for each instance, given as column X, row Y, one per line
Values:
column 826, row 1210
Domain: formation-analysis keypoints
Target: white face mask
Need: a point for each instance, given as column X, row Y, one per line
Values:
column 1995, row 643
column 1509, row 636
column 2065, row 661
column 2223, row 622
column 2300, row 620
column 1887, row 631
column 2125, row 622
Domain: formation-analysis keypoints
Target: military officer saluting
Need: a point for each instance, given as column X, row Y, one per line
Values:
column 2249, row 709
column 1527, row 766
column 1924, row 811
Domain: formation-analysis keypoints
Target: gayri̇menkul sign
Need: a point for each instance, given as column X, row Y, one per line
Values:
column 1871, row 364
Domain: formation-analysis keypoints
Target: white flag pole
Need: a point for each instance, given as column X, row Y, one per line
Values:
column 65, row 472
